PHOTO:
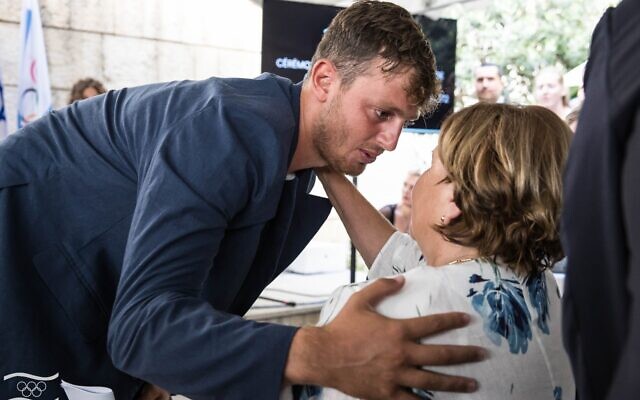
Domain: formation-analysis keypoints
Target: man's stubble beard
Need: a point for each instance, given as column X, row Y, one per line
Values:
column 330, row 134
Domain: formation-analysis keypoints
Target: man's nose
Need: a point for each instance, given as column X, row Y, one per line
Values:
column 388, row 138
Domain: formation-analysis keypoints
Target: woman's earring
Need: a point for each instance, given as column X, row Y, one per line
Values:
column 442, row 220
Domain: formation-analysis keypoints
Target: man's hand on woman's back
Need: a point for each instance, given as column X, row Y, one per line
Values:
column 367, row 355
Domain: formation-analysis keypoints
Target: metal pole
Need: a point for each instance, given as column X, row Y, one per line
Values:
column 352, row 265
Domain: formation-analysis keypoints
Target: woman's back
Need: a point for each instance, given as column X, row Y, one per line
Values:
column 485, row 216
column 517, row 319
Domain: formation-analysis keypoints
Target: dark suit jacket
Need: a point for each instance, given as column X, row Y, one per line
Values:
column 136, row 227
column 601, row 216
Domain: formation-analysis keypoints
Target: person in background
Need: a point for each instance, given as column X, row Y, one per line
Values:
column 550, row 92
column 85, row 88
column 573, row 117
column 601, row 216
column 399, row 214
column 484, row 235
column 488, row 83
column 139, row 226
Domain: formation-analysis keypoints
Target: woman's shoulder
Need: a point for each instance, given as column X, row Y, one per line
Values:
column 399, row 254
column 467, row 286
column 516, row 318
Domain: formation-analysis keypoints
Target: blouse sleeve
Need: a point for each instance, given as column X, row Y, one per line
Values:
column 400, row 254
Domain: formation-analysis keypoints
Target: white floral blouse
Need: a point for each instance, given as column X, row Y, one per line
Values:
column 517, row 319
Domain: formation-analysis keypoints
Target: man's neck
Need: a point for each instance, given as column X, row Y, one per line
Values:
column 305, row 155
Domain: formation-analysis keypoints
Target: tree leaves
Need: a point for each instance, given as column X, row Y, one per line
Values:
column 522, row 36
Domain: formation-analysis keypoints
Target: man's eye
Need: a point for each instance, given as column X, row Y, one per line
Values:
column 383, row 115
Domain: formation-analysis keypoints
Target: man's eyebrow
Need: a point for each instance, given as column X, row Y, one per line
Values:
column 398, row 111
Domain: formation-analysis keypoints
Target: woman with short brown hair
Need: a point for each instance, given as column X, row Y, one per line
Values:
column 484, row 233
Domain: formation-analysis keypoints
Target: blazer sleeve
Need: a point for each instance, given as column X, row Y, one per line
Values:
column 594, row 223
column 161, row 329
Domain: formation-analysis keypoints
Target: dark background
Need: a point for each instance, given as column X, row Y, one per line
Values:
column 293, row 30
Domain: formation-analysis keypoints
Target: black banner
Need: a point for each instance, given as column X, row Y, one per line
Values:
column 292, row 30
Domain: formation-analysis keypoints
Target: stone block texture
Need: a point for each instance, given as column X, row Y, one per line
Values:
column 127, row 43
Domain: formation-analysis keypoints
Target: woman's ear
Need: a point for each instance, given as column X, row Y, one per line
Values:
column 451, row 209
column 452, row 212
column 323, row 76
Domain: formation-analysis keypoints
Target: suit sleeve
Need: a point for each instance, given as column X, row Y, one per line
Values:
column 161, row 329
column 625, row 382
column 601, row 332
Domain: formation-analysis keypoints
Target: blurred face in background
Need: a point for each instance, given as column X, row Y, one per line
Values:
column 407, row 188
column 89, row 92
column 488, row 84
column 549, row 90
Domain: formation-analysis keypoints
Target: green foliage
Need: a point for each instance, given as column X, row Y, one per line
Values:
column 522, row 36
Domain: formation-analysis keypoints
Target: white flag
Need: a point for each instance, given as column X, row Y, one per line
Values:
column 3, row 115
column 34, row 91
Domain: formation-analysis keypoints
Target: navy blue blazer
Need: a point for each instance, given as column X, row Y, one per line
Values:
column 601, row 236
column 137, row 227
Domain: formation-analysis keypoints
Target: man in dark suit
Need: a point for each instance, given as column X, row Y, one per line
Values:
column 601, row 219
column 137, row 227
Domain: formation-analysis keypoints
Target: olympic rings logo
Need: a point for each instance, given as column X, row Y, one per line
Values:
column 31, row 388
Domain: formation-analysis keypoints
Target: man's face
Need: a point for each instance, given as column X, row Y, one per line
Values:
column 360, row 122
column 488, row 84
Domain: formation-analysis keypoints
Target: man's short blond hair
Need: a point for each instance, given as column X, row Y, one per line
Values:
column 369, row 29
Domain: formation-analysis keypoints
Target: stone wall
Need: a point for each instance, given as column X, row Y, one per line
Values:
column 127, row 43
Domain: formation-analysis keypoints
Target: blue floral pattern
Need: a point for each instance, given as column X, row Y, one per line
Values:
column 423, row 394
column 557, row 393
column 308, row 392
column 504, row 311
column 537, row 285
column 513, row 308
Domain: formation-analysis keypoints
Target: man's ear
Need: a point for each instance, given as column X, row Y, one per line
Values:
column 323, row 76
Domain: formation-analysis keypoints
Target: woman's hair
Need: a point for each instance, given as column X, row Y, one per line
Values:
column 574, row 115
column 506, row 165
column 369, row 29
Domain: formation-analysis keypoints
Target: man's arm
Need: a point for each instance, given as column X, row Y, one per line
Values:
column 367, row 228
column 366, row 355
column 162, row 330
column 386, row 212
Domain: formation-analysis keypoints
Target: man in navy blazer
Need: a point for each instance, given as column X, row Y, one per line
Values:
column 137, row 227
column 601, row 217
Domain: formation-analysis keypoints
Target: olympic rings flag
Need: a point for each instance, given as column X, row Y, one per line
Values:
column 34, row 90
column 3, row 117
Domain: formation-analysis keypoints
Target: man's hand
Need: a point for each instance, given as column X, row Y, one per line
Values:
column 366, row 355
column 153, row 392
